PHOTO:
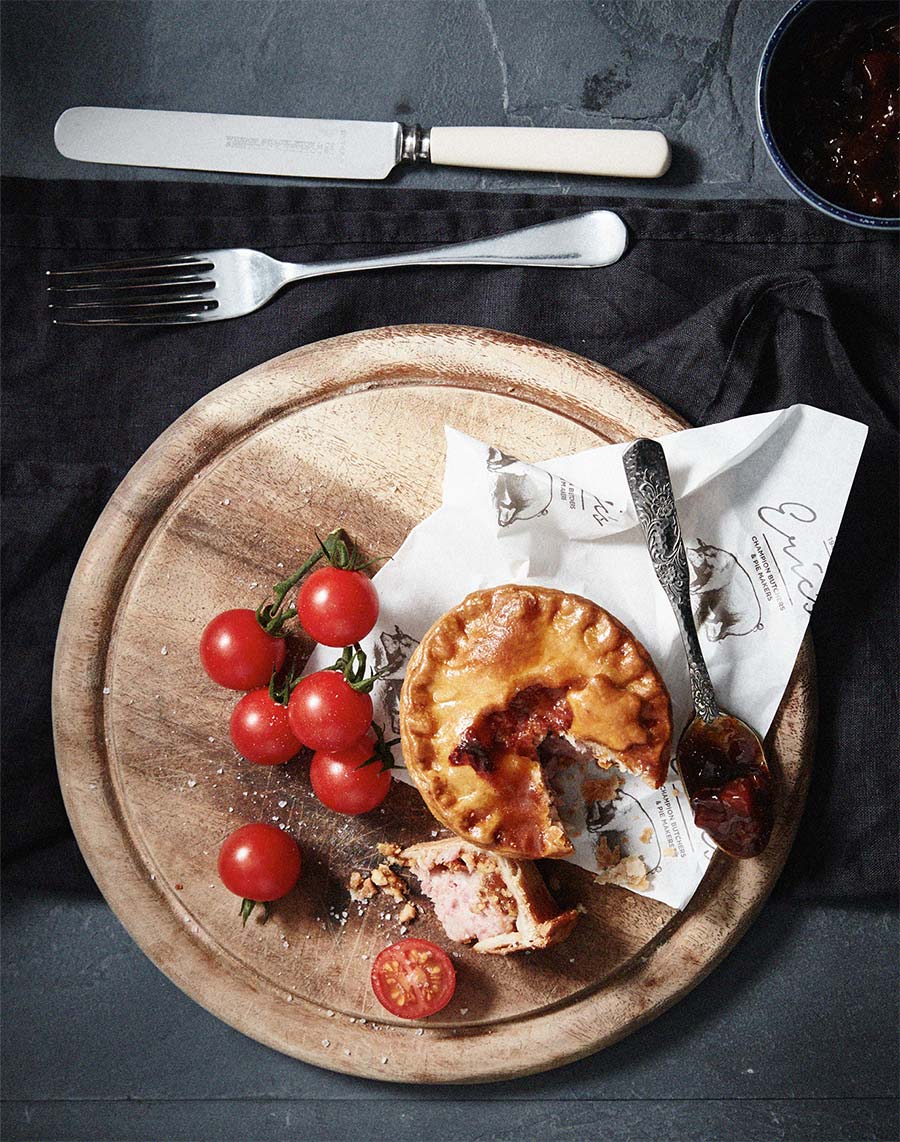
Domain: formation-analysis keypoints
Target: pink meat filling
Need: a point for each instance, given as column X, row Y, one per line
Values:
column 465, row 912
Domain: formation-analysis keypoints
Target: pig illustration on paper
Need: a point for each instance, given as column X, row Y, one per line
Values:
column 518, row 492
column 725, row 601
column 392, row 652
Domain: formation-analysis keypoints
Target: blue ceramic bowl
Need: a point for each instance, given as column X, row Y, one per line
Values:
column 768, row 62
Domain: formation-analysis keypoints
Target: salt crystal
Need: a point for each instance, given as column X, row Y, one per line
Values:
column 163, row 650
column 361, row 1021
column 226, row 502
column 191, row 783
column 352, row 1020
column 230, row 808
column 464, row 1011
column 346, row 1050
column 290, row 999
column 208, row 739
column 220, row 771
column 254, row 584
column 279, row 565
column 282, row 804
column 384, row 1060
column 326, row 1042
column 421, row 1031
column 105, row 689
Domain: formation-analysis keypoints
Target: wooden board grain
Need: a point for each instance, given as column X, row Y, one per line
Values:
column 347, row 431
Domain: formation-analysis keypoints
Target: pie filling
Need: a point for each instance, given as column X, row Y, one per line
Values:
column 470, row 898
column 518, row 729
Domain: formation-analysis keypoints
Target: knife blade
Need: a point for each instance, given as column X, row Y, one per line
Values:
column 344, row 148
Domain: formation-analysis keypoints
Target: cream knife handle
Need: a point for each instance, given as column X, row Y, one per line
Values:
column 561, row 150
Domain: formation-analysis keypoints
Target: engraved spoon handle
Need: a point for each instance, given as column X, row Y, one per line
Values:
column 654, row 501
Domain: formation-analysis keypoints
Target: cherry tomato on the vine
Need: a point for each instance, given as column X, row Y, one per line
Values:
column 237, row 653
column 260, row 729
column 343, row 781
column 259, row 863
column 413, row 979
column 337, row 607
column 325, row 712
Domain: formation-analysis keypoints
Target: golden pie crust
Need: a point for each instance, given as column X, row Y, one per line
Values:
column 500, row 655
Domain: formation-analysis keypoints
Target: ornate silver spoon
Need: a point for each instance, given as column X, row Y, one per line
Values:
column 721, row 760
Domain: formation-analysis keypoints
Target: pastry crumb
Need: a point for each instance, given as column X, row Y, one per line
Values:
column 604, row 855
column 360, row 887
column 630, row 872
column 408, row 913
column 390, row 851
column 647, row 835
column 602, row 788
column 669, row 851
column 388, row 881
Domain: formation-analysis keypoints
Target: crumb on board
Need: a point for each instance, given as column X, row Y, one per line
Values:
column 388, row 881
column 360, row 887
column 669, row 851
column 408, row 913
column 647, row 835
column 390, row 851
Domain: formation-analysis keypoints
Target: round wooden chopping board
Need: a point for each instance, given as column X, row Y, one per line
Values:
column 346, row 432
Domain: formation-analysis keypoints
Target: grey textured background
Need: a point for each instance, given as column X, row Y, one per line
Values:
column 786, row 1040
column 686, row 67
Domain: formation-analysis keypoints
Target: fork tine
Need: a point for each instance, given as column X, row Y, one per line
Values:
column 159, row 319
column 146, row 303
column 135, row 283
column 183, row 313
column 160, row 262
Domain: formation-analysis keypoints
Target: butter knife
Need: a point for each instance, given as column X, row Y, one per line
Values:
column 345, row 148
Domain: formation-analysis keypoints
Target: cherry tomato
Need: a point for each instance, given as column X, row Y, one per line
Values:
column 259, row 862
column 413, row 979
column 325, row 712
column 343, row 782
column 260, row 729
column 337, row 608
column 237, row 653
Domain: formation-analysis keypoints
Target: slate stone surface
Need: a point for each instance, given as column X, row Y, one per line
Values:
column 97, row 1044
column 686, row 67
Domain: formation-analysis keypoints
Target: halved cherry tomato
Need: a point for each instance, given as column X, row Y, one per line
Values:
column 259, row 863
column 237, row 653
column 325, row 712
column 343, row 781
column 260, row 729
column 413, row 979
column 337, row 607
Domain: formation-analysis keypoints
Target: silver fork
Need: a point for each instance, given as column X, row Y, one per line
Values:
column 212, row 285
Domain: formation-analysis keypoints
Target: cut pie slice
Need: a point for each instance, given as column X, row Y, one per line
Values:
column 505, row 671
column 495, row 904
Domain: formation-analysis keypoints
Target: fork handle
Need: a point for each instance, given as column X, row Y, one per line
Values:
column 595, row 239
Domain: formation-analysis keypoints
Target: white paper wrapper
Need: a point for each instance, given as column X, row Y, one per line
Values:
column 760, row 500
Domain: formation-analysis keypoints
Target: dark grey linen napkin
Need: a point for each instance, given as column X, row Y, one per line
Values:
column 719, row 309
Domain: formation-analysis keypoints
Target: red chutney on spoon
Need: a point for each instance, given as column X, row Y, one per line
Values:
column 832, row 99
column 727, row 779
